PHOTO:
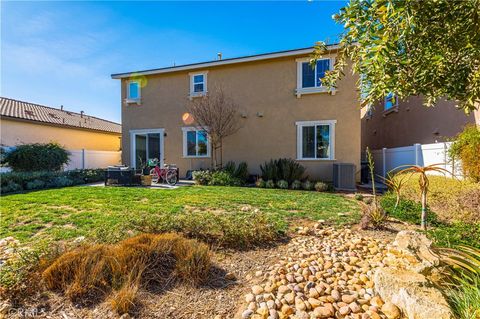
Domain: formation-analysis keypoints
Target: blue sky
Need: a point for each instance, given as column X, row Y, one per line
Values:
column 56, row 53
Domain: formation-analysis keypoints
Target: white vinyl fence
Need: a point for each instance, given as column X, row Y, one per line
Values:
column 388, row 159
column 80, row 159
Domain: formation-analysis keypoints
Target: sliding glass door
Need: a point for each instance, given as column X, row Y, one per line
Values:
column 146, row 145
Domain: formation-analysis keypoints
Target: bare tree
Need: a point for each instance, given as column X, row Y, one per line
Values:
column 219, row 116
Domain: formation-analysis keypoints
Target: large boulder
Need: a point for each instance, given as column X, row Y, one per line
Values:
column 411, row 250
column 404, row 283
column 412, row 293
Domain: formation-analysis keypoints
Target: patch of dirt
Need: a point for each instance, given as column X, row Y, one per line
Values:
column 389, row 231
column 218, row 296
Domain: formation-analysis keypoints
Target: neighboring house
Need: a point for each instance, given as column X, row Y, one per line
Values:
column 23, row 122
column 395, row 123
column 286, row 112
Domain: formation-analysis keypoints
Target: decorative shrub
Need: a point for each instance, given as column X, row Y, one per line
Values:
column 202, row 177
column 223, row 178
column 260, row 183
column 373, row 215
column 359, row 197
column 270, row 184
column 466, row 147
column 296, row 184
column 61, row 181
column 35, row 184
column 240, row 172
column 37, row 157
column 282, row 184
column 283, row 168
column 308, row 186
column 11, row 187
column 321, row 187
column 269, row 170
column 18, row 181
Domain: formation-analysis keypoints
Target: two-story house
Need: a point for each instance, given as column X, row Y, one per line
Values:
column 286, row 113
column 397, row 123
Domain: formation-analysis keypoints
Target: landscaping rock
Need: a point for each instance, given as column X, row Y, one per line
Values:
column 325, row 270
column 391, row 311
column 257, row 290
column 412, row 293
column 411, row 250
column 230, row 276
column 247, row 314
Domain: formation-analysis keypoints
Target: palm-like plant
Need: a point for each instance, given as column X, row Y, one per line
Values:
column 464, row 273
column 395, row 182
column 423, row 182
column 462, row 257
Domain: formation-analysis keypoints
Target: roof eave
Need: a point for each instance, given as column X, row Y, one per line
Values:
column 202, row 65
column 61, row 125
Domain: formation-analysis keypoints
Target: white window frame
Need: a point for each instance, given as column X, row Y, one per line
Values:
column 394, row 103
column 134, row 100
column 311, row 90
column 300, row 125
column 185, row 148
column 133, row 133
column 192, row 84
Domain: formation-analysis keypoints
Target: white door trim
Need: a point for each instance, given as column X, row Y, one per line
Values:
column 133, row 160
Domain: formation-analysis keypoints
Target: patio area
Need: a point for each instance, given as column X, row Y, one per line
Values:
column 181, row 183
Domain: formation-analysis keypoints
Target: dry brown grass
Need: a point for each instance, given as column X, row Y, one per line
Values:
column 91, row 272
column 451, row 199
column 125, row 299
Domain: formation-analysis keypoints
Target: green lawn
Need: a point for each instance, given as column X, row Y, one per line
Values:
column 70, row 212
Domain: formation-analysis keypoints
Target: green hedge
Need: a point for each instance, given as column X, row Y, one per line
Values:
column 36, row 157
column 19, row 181
column 216, row 178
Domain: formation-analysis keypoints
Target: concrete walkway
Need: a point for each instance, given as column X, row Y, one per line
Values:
column 181, row 183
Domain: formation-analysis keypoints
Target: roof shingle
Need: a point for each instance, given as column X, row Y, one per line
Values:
column 40, row 113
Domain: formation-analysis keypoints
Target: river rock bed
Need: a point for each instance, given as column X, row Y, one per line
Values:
column 326, row 273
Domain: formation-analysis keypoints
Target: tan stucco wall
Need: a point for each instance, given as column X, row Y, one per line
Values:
column 263, row 86
column 414, row 123
column 14, row 132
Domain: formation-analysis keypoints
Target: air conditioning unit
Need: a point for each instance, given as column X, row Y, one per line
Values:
column 344, row 177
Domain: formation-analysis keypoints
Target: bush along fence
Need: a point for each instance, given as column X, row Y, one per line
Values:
column 281, row 173
column 19, row 181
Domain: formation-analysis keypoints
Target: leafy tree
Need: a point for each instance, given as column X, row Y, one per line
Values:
column 410, row 47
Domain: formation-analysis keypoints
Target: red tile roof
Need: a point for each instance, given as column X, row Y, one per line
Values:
column 49, row 115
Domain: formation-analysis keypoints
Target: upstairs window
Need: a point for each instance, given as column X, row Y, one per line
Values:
column 195, row 143
column 133, row 91
column 198, row 84
column 312, row 76
column 391, row 101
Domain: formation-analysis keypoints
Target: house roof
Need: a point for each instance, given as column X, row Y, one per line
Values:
column 39, row 113
column 200, row 65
